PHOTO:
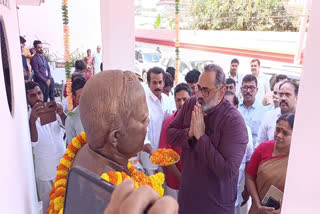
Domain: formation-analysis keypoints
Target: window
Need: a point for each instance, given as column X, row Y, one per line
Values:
column 5, row 64
column 5, row 3
column 152, row 57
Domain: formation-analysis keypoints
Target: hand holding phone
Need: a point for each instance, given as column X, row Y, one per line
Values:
column 35, row 112
column 48, row 113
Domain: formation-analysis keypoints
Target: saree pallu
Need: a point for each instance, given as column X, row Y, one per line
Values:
column 271, row 172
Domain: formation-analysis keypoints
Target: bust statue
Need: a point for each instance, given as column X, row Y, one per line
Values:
column 114, row 115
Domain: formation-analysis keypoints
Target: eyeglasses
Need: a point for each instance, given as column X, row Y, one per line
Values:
column 251, row 88
column 205, row 91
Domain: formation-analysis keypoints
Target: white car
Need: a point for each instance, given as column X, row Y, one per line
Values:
column 144, row 60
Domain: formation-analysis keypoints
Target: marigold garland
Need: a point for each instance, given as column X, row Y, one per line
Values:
column 66, row 35
column 59, row 187
column 139, row 178
column 164, row 157
column 177, row 43
column 58, row 190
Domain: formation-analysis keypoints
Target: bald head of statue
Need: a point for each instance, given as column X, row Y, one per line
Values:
column 115, row 117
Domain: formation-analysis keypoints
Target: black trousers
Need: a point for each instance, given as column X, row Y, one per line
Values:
column 47, row 91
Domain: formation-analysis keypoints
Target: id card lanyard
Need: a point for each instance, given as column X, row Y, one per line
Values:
column 43, row 63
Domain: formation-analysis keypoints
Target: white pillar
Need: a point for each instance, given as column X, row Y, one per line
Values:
column 302, row 184
column 117, row 26
column 17, row 179
column 302, row 30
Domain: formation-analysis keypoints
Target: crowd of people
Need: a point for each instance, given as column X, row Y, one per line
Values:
column 36, row 67
column 228, row 128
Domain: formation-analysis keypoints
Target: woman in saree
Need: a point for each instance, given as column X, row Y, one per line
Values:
column 89, row 60
column 268, row 165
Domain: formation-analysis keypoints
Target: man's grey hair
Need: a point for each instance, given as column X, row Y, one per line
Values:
column 220, row 78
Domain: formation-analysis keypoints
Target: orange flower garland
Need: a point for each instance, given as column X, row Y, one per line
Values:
column 59, row 186
column 139, row 178
column 67, row 58
column 164, row 157
column 177, row 43
column 58, row 191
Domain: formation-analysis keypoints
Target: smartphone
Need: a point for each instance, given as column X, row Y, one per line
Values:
column 273, row 203
column 86, row 192
column 48, row 113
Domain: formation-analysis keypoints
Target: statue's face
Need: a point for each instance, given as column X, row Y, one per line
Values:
column 132, row 141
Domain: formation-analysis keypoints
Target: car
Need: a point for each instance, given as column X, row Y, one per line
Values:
column 293, row 72
column 186, row 65
column 144, row 60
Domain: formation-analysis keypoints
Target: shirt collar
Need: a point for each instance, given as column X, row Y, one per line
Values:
column 236, row 77
column 254, row 105
column 154, row 97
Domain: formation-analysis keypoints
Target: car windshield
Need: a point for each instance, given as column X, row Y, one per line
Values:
column 152, row 57
column 199, row 65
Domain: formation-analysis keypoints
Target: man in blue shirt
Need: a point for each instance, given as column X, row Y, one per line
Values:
column 251, row 109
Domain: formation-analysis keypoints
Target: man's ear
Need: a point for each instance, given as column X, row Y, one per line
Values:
column 114, row 137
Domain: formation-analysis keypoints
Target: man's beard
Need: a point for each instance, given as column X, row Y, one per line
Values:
column 209, row 106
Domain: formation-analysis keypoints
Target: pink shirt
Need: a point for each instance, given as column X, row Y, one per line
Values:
column 171, row 180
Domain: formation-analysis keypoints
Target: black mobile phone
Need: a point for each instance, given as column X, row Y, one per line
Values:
column 273, row 203
column 86, row 192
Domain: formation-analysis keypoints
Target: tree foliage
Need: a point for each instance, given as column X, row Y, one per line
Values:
column 253, row 15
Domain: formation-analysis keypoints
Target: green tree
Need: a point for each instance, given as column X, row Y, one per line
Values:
column 255, row 15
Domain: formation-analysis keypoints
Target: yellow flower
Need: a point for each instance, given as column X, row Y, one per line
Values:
column 105, row 176
column 58, row 203
column 60, row 172
column 61, row 211
column 157, row 181
column 62, row 182
column 129, row 165
column 76, row 143
column 66, row 163
column 84, row 136
column 119, row 180
column 70, row 153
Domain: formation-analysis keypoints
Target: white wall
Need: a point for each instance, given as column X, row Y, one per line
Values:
column 17, row 183
column 302, row 185
column 45, row 23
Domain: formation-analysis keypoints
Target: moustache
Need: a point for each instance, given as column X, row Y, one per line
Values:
column 201, row 101
column 283, row 102
column 158, row 89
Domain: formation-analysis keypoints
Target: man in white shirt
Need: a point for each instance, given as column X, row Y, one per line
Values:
column 232, row 98
column 263, row 81
column 234, row 74
column 167, row 90
column 97, row 58
column 73, row 122
column 159, row 109
column 288, row 98
column 275, row 98
column 47, row 141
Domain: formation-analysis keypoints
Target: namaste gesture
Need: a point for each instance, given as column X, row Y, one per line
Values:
column 197, row 126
